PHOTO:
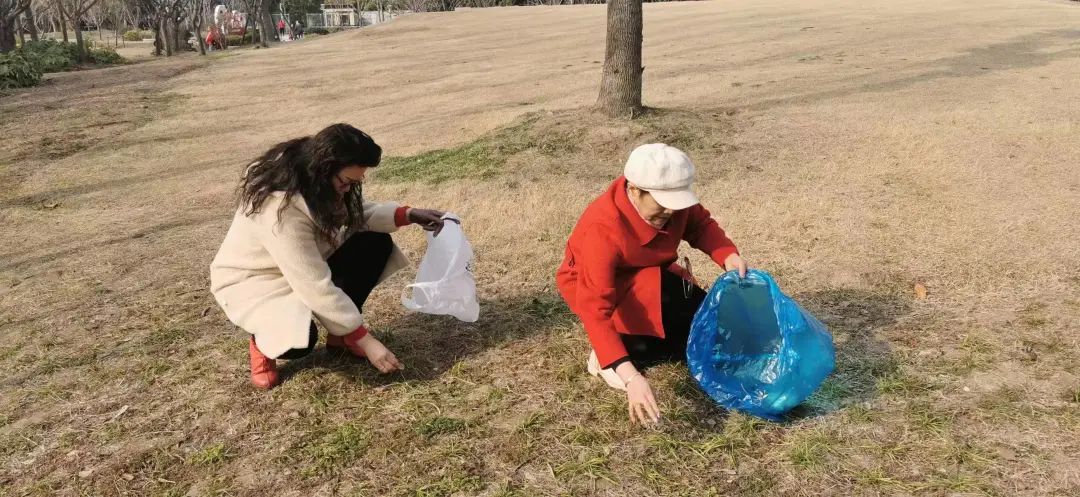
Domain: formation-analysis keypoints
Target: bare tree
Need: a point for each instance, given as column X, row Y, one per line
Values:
column 30, row 23
column 415, row 5
column 10, row 10
column 199, row 10
column 75, row 11
column 266, row 23
column 95, row 15
column 620, row 88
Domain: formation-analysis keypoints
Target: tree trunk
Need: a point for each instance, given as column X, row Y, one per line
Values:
column 31, row 24
column 196, row 24
column 79, row 40
column 7, row 35
column 177, row 48
column 63, row 26
column 167, row 36
column 266, row 23
column 158, row 38
column 19, row 28
column 620, row 88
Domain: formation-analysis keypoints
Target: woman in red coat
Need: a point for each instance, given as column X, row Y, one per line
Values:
column 620, row 274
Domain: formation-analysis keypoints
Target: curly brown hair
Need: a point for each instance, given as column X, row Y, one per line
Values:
column 308, row 166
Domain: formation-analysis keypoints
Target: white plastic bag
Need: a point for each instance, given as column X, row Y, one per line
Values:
column 444, row 281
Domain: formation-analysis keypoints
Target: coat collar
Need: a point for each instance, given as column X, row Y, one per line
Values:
column 642, row 230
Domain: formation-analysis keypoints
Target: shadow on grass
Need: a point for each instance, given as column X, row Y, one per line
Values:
column 855, row 318
column 430, row 345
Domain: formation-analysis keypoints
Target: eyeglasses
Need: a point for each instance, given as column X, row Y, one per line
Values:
column 350, row 182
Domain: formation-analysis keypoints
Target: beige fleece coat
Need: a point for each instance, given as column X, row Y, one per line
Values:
column 272, row 278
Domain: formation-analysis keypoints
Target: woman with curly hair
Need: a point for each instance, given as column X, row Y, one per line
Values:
column 304, row 245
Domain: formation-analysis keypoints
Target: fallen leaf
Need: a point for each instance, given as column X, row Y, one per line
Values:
column 120, row 412
column 50, row 205
column 920, row 291
column 86, row 473
column 128, row 476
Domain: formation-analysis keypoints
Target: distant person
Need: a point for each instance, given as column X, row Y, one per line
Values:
column 305, row 245
column 281, row 29
column 298, row 30
column 621, row 277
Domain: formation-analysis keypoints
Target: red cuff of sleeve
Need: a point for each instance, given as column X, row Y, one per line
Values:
column 401, row 216
column 357, row 334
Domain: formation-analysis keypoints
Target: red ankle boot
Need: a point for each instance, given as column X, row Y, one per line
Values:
column 264, row 373
column 348, row 342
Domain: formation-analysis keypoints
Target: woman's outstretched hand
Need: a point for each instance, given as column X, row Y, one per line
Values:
column 379, row 355
column 640, row 401
column 429, row 219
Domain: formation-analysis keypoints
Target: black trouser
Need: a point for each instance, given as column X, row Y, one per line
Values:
column 677, row 309
column 355, row 267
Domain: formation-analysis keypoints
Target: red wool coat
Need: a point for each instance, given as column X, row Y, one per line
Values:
column 610, row 276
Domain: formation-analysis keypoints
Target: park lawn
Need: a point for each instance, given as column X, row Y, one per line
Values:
column 853, row 149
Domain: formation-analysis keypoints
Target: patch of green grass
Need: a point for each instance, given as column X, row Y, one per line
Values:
column 586, row 437
column 1004, row 402
column 831, row 394
column 861, row 414
column 485, row 157
column 876, row 478
column 759, row 482
column 902, row 383
column 450, row 485
column 211, row 455
column 809, row 450
column 590, row 463
column 957, row 482
column 669, row 446
column 472, row 160
column 548, row 309
column 439, row 425
column 153, row 369
column 336, row 449
column 166, row 336
column 976, row 344
column 1072, row 394
column 534, row 422
column 927, row 418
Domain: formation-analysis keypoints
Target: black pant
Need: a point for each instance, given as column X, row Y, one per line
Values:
column 677, row 309
column 355, row 267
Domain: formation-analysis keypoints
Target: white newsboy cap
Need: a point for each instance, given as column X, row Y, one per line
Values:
column 663, row 171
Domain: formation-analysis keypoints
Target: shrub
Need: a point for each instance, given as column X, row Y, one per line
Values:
column 55, row 56
column 236, row 40
column 134, row 35
column 105, row 55
column 50, row 55
column 17, row 72
column 316, row 31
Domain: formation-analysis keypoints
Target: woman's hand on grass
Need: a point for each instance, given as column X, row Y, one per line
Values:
column 379, row 355
column 641, row 402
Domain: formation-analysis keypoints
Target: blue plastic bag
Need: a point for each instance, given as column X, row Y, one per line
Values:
column 754, row 349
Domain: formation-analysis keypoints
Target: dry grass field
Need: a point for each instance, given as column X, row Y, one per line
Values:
column 853, row 148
